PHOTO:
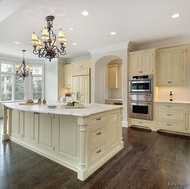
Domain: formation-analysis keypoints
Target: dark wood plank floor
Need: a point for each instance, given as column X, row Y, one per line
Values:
column 149, row 160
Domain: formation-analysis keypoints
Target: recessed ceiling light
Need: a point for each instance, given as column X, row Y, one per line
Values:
column 85, row 13
column 74, row 44
column 16, row 42
column 113, row 33
column 71, row 29
column 175, row 15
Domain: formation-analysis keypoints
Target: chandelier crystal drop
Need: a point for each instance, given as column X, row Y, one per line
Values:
column 23, row 70
column 49, row 50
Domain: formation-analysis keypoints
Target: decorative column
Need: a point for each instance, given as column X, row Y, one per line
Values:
column 83, row 147
column 5, row 124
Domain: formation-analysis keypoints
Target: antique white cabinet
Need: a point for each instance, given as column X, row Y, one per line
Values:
column 67, row 76
column 81, row 67
column 81, row 88
column 171, row 66
column 81, row 81
column 81, row 143
column 113, row 71
column 141, row 62
column 169, row 116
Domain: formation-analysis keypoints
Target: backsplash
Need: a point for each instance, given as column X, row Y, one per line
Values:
column 179, row 93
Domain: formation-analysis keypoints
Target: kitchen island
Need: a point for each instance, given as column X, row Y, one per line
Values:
column 81, row 139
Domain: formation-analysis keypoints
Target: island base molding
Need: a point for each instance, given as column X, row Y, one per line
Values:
column 82, row 144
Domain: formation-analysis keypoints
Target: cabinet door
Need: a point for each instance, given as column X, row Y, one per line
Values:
column 146, row 64
column 68, row 134
column 171, row 67
column 134, row 64
column 177, row 67
column 163, row 68
column 45, row 131
column 113, row 76
column 16, row 124
column 187, row 122
column 29, row 127
column 114, row 129
column 81, row 88
column 67, row 76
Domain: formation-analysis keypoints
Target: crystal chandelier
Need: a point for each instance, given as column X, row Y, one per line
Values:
column 23, row 70
column 49, row 49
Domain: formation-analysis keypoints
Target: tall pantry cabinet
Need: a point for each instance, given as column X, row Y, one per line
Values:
column 81, row 81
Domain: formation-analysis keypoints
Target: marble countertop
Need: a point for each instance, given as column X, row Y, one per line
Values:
column 60, row 109
column 179, row 102
column 114, row 99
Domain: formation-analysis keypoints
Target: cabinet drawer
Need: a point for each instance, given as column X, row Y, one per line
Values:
column 84, row 71
column 187, row 107
column 170, row 115
column 170, row 107
column 97, row 135
column 98, row 119
column 170, row 126
column 141, row 123
column 98, row 152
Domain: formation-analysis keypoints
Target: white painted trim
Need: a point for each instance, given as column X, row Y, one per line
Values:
column 114, row 47
column 165, row 43
column 125, row 124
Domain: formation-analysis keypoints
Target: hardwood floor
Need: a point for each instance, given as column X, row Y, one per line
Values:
column 149, row 160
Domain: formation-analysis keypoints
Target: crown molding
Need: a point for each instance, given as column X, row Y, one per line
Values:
column 165, row 43
column 114, row 47
column 13, row 58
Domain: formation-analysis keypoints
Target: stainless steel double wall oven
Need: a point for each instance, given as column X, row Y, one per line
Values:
column 141, row 97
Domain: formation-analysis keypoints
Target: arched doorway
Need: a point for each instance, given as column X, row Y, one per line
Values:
column 101, row 87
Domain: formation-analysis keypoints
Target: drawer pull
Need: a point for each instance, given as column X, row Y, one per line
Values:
column 98, row 118
column 98, row 133
column 140, row 122
column 98, row 151
column 168, row 106
column 168, row 114
column 169, row 124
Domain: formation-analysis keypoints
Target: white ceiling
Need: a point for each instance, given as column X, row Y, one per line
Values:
column 137, row 21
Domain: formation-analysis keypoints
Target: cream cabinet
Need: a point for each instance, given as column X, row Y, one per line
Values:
column 171, row 66
column 81, row 143
column 81, row 88
column 141, row 123
column 141, row 62
column 67, row 76
column 81, row 67
column 98, row 143
column 113, row 71
column 169, row 116
column 187, row 118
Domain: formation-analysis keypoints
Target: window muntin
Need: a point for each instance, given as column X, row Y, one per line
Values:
column 19, row 89
column 6, row 87
column 7, row 68
column 37, row 87
column 13, row 88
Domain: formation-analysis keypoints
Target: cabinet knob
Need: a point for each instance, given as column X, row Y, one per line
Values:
column 98, row 118
column 98, row 133
column 98, row 151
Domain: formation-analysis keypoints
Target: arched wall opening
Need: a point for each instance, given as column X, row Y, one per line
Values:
column 101, row 77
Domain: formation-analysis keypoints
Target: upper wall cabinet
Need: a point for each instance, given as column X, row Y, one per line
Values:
column 141, row 62
column 67, row 76
column 81, row 67
column 113, row 75
column 171, row 66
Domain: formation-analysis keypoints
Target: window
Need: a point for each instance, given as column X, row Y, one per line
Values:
column 37, row 82
column 6, row 82
column 19, row 89
column 15, row 89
